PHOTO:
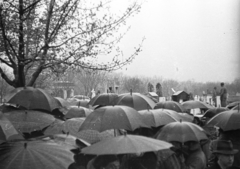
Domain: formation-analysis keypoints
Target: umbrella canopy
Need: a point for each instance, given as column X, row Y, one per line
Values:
column 55, row 128
column 8, row 107
column 227, row 120
column 104, row 99
column 181, row 132
column 214, row 111
column 35, row 154
column 33, row 98
column 126, row 144
column 135, row 100
column 72, row 125
column 75, row 111
column 69, row 140
column 93, row 136
column 113, row 117
column 193, row 104
column 158, row 117
column 62, row 102
column 27, row 121
column 237, row 107
column 186, row 117
column 233, row 104
column 171, row 105
column 7, row 131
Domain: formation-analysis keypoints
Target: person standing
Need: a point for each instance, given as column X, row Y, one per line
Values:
column 224, row 151
column 223, row 95
column 196, row 158
column 214, row 96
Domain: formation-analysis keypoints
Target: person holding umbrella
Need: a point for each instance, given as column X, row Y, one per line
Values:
column 195, row 159
column 224, row 152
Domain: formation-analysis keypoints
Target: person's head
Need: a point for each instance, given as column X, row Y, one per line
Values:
column 222, row 84
column 215, row 88
column 106, row 162
column 192, row 146
column 223, row 149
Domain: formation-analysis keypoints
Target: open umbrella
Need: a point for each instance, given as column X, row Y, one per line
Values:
column 171, row 105
column 233, row 104
column 186, row 117
column 72, row 125
column 193, row 104
column 93, row 136
column 75, row 111
column 158, row 117
column 237, row 107
column 104, row 99
column 126, row 144
column 214, row 111
column 7, row 130
column 135, row 100
column 54, row 128
column 227, row 120
column 34, row 98
column 35, row 154
column 69, row 140
column 62, row 102
column 27, row 121
column 113, row 117
column 181, row 132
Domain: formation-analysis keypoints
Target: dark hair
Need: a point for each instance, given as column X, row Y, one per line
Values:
column 104, row 160
column 222, row 84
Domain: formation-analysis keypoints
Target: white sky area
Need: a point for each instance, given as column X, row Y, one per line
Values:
column 186, row 40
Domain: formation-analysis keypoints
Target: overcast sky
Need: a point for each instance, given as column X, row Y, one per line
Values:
column 186, row 40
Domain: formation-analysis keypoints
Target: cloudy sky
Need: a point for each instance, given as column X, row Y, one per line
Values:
column 186, row 40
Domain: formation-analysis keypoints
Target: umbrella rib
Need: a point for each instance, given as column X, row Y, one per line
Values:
column 15, row 155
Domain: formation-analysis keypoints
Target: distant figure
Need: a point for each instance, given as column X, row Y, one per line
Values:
column 223, row 95
column 214, row 96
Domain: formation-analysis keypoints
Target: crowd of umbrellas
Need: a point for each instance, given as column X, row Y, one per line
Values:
column 38, row 130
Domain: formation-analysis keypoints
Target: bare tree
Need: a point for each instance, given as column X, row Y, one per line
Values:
column 47, row 34
column 88, row 80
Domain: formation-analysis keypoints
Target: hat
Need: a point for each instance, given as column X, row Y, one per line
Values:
column 223, row 147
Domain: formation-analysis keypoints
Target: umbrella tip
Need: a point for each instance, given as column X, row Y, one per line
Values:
column 25, row 145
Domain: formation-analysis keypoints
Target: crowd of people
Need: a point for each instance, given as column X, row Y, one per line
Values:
column 219, row 151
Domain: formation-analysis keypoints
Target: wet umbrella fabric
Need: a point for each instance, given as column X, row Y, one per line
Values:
column 35, row 154
column 27, row 121
column 135, row 100
column 7, row 130
column 227, row 120
column 93, row 136
column 75, row 111
column 62, row 102
column 105, row 99
column 233, row 104
column 113, row 117
column 72, row 125
column 214, row 111
column 158, row 117
column 171, row 105
column 126, row 144
column 181, row 132
column 55, row 128
column 34, row 98
column 237, row 107
column 193, row 104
